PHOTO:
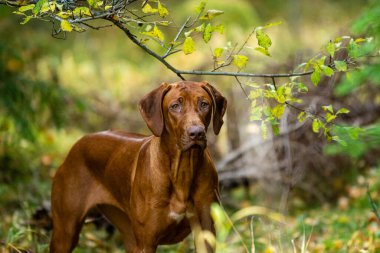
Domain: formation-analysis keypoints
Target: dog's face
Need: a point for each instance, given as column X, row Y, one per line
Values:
column 183, row 110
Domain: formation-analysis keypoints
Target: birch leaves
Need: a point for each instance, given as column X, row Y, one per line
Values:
column 205, row 27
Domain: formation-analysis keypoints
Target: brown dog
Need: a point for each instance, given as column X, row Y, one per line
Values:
column 154, row 189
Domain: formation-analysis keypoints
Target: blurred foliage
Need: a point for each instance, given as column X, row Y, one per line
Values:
column 358, row 143
column 365, row 140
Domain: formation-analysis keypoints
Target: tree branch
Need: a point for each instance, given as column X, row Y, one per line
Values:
column 176, row 38
column 133, row 38
column 108, row 15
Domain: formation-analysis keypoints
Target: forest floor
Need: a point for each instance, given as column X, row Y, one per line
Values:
column 348, row 225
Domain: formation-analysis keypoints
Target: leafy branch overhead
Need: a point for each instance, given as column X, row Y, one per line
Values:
column 150, row 21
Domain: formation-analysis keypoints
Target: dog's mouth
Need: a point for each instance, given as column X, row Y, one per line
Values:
column 199, row 144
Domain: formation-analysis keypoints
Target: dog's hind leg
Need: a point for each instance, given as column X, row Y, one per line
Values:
column 69, row 208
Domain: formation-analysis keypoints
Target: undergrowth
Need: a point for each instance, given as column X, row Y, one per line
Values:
column 349, row 225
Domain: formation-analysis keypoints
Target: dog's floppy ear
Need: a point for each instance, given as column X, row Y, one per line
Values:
column 151, row 108
column 219, row 106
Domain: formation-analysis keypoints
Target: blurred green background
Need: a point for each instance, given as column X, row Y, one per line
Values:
column 53, row 91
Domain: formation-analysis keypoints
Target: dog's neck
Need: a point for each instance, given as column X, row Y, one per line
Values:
column 183, row 166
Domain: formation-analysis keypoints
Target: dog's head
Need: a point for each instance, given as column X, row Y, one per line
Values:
column 182, row 111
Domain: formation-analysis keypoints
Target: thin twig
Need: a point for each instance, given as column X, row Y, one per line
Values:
column 241, row 86
column 133, row 38
column 176, row 38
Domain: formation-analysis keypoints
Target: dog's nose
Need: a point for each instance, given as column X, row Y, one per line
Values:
column 196, row 132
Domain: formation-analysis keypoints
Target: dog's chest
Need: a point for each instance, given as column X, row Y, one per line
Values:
column 178, row 210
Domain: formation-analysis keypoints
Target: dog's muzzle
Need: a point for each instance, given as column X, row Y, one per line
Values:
column 196, row 137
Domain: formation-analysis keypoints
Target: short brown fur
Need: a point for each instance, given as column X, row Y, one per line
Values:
column 154, row 189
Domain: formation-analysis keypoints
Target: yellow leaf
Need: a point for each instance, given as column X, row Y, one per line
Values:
column 148, row 9
column 188, row 46
column 66, row 26
column 155, row 33
column 240, row 61
column 218, row 52
column 162, row 11
column 64, row 14
column 278, row 110
column 82, row 11
column 316, row 126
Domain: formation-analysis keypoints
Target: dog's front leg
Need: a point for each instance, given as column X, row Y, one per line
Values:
column 203, row 230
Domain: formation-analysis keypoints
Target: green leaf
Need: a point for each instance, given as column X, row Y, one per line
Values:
column 19, row 13
column 328, row 108
column 188, row 46
column 262, row 50
column 320, row 61
column 200, row 28
column 146, row 9
column 327, row 70
column 278, row 110
column 240, row 61
column 253, row 94
column 26, row 20
column 339, row 140
column 256, row 113
column 92, row 3
column 48, row 7
column 210, row 14
column 267, row 111
column 302, row 116
column 330, row 48
column 263, row 40
column 218, row 52
column 353, row 132
column 264, row 130
column 330, row 117
column 342, row 110
column 38, row 6
column 302, row 87
column 26, row 8
column 353, row 49
column 207, row 33
column 66, row 26
column 219, row 29
column 162, row 11
column 316, row 125
column 272, row 24
column 276, row 129
column 316, row 77
column 340, row 65
column 201, row 7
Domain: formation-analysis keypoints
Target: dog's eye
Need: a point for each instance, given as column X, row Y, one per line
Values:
column 175, row 107
column 204, row 105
